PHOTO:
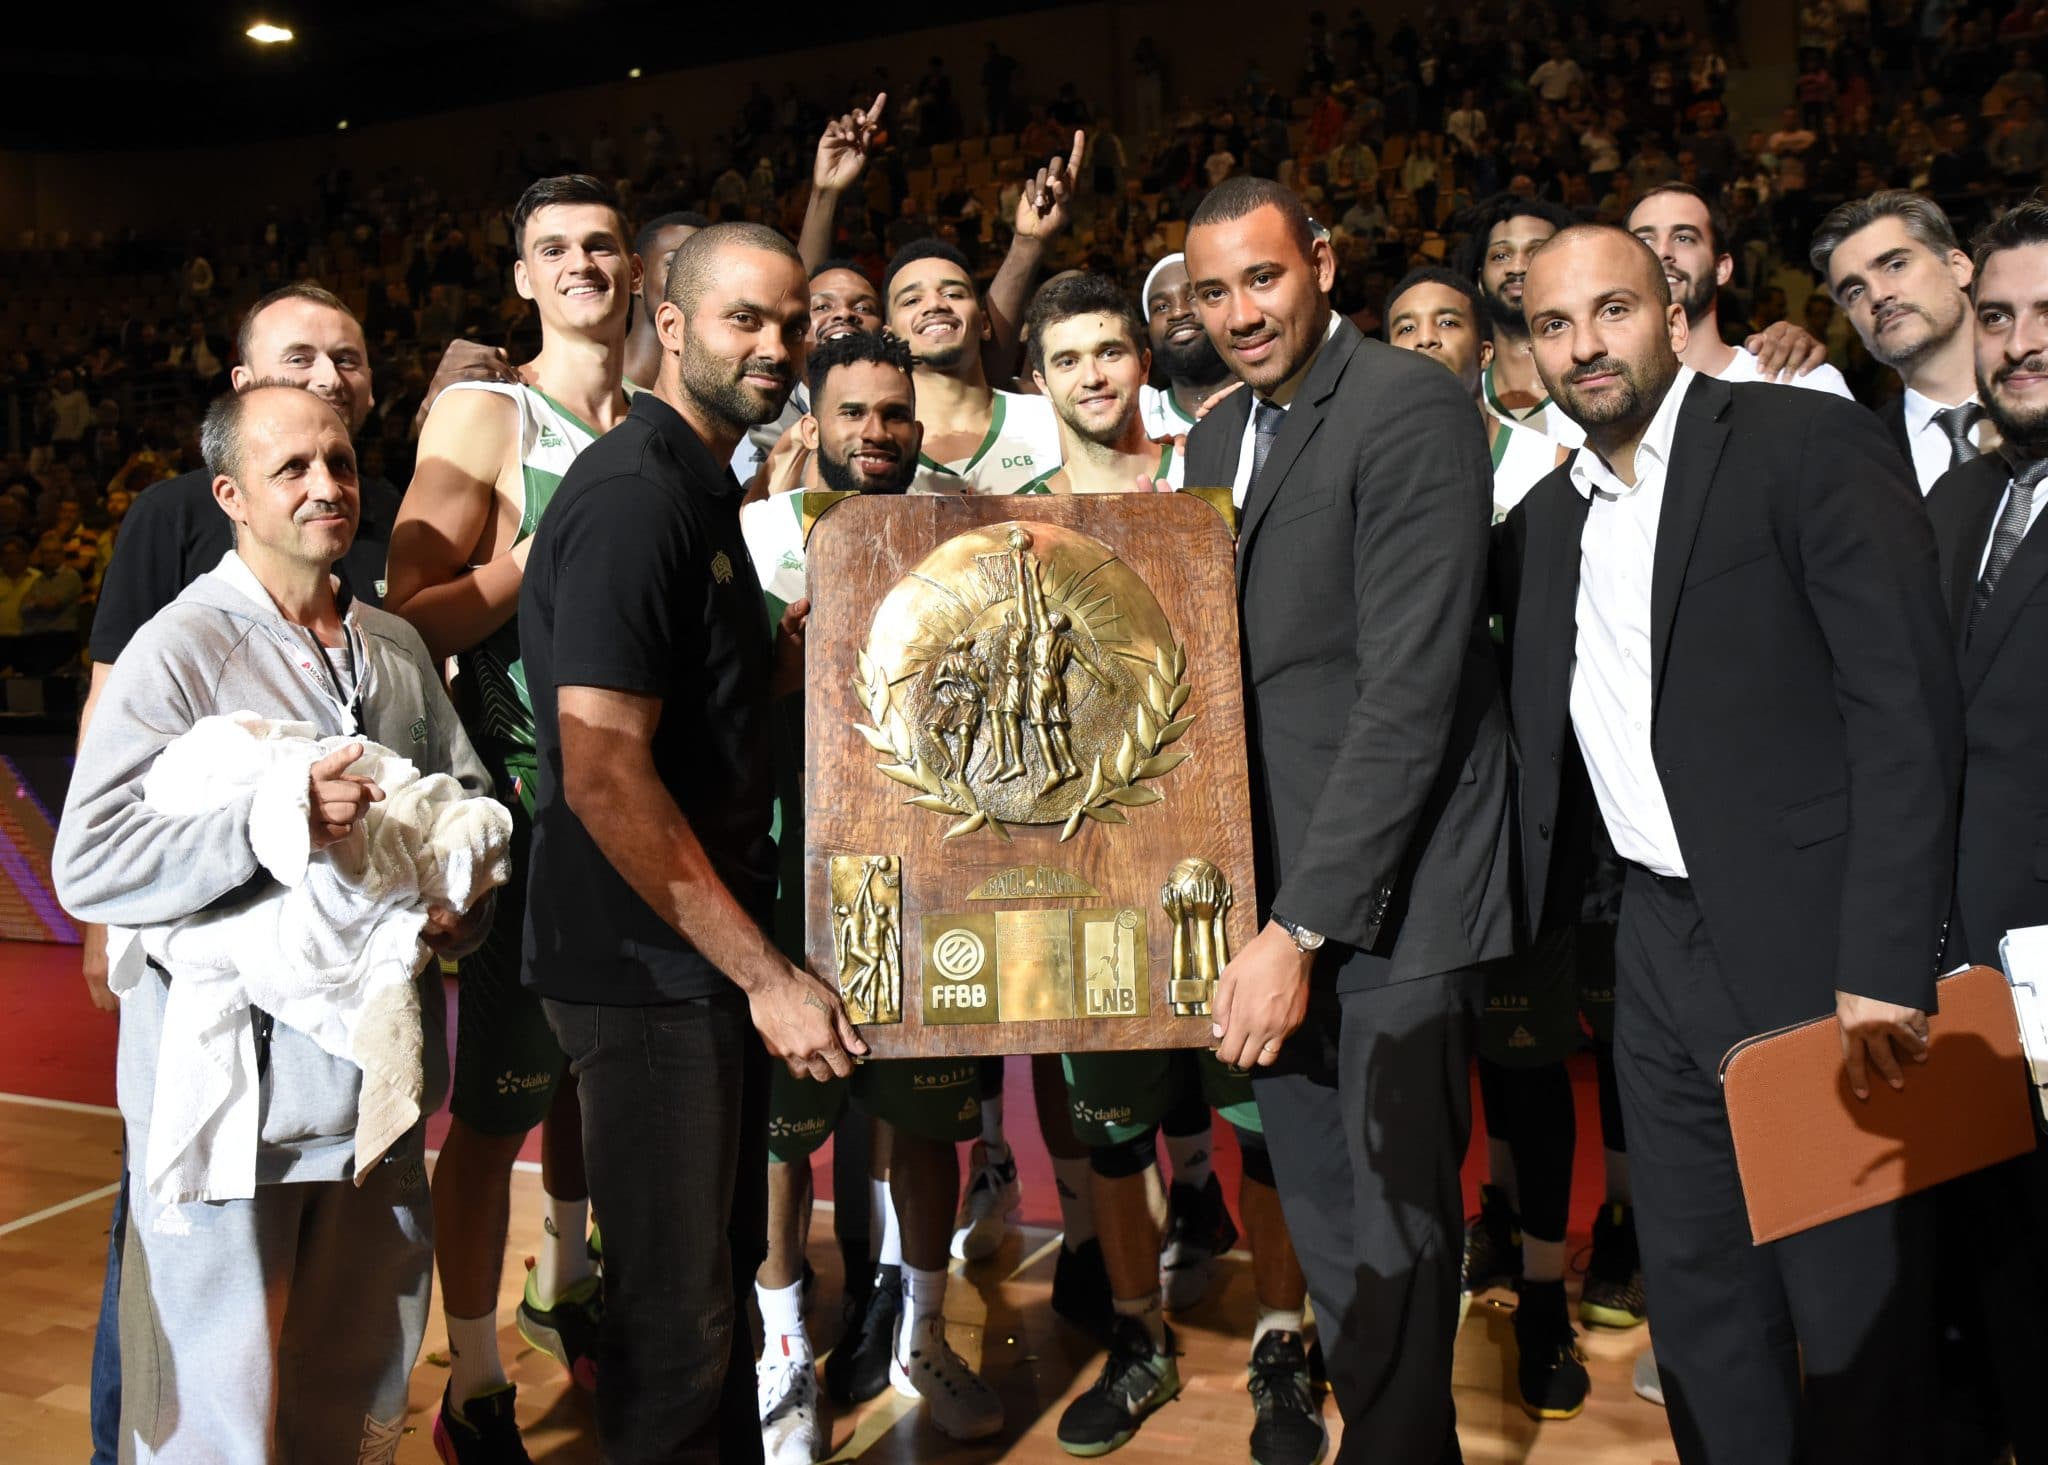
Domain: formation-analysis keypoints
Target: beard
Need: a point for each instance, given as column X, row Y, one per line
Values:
column 1198, row 361
column 1939, row 334
column 1700, row 297
column 721, row 389
column 2024, row 429
column 1634, row 400
column 1507, row 318
column 1104, row 434
column 842, row 477
column 940, row 358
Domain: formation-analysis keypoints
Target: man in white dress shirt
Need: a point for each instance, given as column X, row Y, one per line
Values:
column 1892, row 262
column 1728, row 637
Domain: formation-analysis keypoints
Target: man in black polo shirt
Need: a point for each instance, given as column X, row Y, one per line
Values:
column 651, row 670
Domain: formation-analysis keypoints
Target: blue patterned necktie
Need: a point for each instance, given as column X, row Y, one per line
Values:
column 1266, row 420
column 2005, row 539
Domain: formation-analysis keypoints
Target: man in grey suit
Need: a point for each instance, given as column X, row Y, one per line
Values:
column 1379, row 797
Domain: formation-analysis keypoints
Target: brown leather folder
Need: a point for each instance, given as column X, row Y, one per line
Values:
column 1810, row 1151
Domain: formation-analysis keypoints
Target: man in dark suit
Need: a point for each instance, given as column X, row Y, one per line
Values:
column 1379, row 797
column 1726, row 611
column 1891, row 261
column 1994, row 563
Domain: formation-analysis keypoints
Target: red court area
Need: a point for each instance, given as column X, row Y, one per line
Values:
column 55, row 1045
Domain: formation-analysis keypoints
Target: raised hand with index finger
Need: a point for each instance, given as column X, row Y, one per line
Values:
column 1042, row 207
column 843, row 150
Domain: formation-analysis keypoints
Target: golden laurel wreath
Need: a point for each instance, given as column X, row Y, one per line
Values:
column 1144, row 752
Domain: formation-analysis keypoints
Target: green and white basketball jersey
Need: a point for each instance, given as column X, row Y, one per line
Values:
column 1169, row 471
column 774, row 530
column 1022, row 443
column 1161, row 413
column 491, row 692
column 1521, row 460
column 1545, row 417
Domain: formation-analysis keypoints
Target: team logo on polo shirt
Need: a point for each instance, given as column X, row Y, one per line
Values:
column 721, row 568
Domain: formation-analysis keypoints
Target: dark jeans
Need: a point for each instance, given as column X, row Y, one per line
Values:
column 675, row 1140
column 106, row 1342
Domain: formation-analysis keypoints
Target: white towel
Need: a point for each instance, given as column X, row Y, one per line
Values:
column 332, row 953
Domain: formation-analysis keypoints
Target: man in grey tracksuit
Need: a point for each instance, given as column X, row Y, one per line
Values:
column 281, row 1326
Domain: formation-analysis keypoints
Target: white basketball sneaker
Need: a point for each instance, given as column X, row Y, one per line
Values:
column 993, row 1196
column 786, row 1388
column 926, row 1367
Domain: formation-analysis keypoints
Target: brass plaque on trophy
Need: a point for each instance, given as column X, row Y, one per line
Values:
column 1027, row 816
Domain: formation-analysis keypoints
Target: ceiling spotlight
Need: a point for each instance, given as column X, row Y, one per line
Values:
column 263, row 33
column 341, row 126
column 634, row 74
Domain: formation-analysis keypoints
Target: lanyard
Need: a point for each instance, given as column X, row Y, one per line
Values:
column 314, row 668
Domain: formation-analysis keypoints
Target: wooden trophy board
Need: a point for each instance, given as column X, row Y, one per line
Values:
column 1026, row 808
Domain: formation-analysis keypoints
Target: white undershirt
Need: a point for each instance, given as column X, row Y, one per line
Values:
column 1613, row 690
column 1744, row 367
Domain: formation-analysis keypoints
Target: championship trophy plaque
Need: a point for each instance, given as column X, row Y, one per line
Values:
column 1026, row 807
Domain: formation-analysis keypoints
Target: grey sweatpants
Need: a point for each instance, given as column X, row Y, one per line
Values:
column 278, row 1328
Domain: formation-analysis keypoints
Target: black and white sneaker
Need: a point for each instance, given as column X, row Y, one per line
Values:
column 1287, row 1426
column 1080, row 1288
column 1198, row 1231
column 1493, row 1243
column 857, row 1369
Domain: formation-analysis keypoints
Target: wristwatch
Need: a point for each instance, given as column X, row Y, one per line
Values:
column 1305, row 940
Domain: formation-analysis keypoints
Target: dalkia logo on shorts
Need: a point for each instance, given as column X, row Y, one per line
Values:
column 522, row 1083
column 721, row 568
column 782, row 1128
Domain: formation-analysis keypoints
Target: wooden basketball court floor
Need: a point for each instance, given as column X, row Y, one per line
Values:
column 59, row 1158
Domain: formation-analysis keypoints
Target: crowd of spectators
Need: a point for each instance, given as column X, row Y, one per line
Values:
column 110, row 348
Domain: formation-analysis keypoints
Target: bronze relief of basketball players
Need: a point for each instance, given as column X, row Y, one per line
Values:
column 1051, row 652
column 959, row 689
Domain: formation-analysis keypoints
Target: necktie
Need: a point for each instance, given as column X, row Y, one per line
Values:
column 1955, row 424
column 1266, row 420
column 2005, row 539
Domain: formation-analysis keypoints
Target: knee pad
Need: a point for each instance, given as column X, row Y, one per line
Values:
column 1256, row 1159
column 1125, row 1158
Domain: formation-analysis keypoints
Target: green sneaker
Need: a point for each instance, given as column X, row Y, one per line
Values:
column 566, row 1332
column 1136, row 1379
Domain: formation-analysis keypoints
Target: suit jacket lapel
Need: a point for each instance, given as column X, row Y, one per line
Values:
column 1554, row 605
column 1304, row 416
column 2023, row 574
column 1546, row 637
column 1979, row 516
column 1695, row 453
